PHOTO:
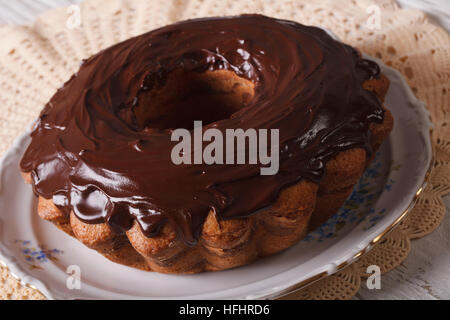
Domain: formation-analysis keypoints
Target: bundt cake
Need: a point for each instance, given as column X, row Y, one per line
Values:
column 99, row 159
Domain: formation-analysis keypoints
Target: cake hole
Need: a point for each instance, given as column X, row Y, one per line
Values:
column 180, row 98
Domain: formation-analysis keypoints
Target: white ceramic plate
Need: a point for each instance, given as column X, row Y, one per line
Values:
column 40, row 254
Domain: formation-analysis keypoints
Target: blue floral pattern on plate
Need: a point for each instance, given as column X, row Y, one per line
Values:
column 359, row 205
column 36, row 255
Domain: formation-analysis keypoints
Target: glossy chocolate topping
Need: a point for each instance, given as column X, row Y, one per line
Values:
column 89, row 154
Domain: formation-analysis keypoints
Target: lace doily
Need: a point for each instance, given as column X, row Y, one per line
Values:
column 36, row 59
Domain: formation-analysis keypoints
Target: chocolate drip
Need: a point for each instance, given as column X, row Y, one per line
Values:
column 89, row 154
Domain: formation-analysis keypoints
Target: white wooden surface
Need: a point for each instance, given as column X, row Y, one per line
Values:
column 425, row 274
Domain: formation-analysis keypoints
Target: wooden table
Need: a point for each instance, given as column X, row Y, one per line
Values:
column 425, row 274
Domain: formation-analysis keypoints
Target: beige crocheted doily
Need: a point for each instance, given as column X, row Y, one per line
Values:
column 36, row 59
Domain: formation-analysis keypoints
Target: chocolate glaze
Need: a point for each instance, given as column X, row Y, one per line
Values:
column 90, row 156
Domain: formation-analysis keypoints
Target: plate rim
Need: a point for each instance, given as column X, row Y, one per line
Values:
column 32, row 282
